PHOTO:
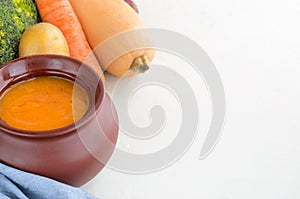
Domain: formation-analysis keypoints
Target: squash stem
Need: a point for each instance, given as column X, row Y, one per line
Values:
column 140, row 64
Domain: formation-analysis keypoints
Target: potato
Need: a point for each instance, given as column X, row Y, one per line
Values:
column 43, row 38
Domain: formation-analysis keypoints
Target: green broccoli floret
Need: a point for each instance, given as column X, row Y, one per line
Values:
column 15, row 17
column 26, row 14
column 8, row 30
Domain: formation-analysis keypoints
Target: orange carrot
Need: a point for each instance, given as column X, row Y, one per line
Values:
column 61, row 14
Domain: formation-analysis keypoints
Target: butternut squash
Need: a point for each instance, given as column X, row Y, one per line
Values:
column 103, row 19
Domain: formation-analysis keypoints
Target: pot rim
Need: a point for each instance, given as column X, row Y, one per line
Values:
column 71, row 128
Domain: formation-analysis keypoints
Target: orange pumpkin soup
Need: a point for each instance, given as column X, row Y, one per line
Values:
column 43, row 103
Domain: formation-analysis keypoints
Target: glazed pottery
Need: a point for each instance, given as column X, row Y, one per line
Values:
column 73, row 154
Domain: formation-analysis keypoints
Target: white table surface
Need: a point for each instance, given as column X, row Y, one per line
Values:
column 255, row 46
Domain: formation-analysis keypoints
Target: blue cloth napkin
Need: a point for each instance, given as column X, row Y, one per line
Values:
column 18, row 184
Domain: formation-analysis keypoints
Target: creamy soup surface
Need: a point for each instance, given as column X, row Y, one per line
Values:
column 43, row 103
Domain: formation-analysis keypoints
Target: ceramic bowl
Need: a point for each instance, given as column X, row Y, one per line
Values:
column 73, row 154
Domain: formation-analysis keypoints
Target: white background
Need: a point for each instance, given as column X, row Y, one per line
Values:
column 255, row 46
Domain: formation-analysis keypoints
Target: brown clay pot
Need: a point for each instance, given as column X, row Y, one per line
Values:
column 73, row 154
